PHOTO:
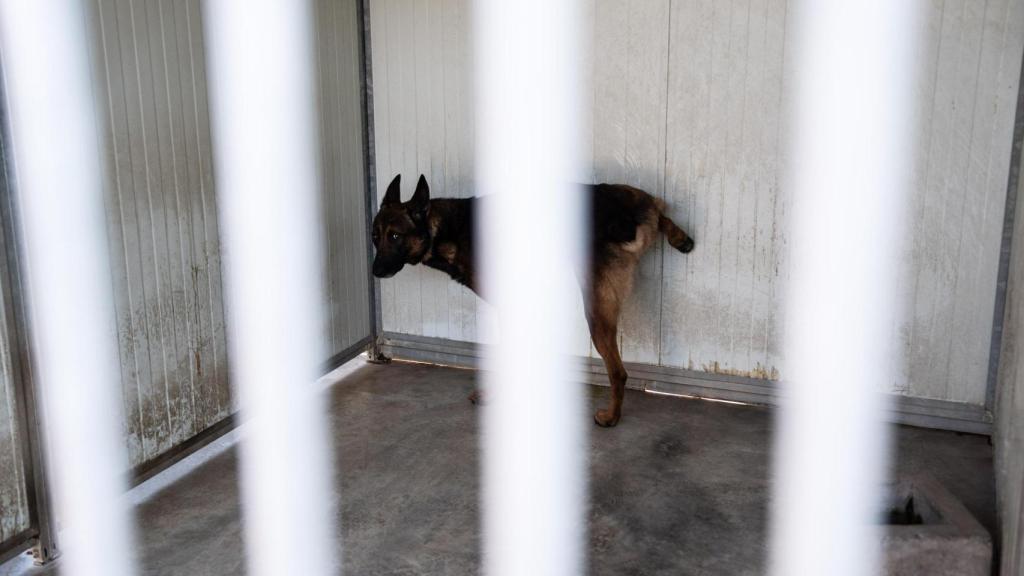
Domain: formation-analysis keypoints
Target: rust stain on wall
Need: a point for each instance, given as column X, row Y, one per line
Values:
column 759, row 372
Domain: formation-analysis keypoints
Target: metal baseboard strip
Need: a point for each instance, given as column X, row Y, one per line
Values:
column 431, row 350
column 919, row 412
column 147, row 470
column 17, row 544
column 346, row 355
column 943, row 414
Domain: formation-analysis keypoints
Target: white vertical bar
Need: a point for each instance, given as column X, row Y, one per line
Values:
column 60, row 189
column 533, row 435
column 850, row 171
column 265, row 148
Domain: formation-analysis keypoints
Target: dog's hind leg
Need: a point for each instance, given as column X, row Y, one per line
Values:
column 603, row 318
column 604, row 338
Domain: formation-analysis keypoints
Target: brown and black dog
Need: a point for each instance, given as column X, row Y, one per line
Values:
column 624, row 223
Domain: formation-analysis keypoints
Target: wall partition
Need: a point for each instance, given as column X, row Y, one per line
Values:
column 149, row 85
column 339, row 54
column 150, row 90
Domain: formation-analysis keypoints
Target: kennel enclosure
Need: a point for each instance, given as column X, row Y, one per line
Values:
column 687, row 100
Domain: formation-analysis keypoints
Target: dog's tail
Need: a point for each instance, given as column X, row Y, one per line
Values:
column 679, row 239
column 675, row 235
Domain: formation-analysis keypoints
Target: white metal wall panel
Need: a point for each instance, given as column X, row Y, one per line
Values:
column 689, row 98
column 150, row 87
column 343, row 171
column 968, row 94
column 423, row 122
column 721, row 303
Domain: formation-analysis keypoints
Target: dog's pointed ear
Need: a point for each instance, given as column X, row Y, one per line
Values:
column 420, row 202
column 394, row 193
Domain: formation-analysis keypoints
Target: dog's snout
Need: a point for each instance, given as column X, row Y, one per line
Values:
column 380, row 270
column 687, row 245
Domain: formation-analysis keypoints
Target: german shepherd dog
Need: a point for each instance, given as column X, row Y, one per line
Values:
column 624, row 223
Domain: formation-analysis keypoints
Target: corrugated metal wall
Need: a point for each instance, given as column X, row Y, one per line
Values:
column 343, row 170
column 14, row 514
column 162, row 223
column 688, row 100
column 162, row 216
column 968, row 94
column 151, row 94
column 14, row 511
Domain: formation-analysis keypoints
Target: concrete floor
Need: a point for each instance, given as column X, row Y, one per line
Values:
column 679, row 487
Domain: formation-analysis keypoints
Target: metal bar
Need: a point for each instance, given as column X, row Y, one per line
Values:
column 263, row 107
column 1009, row 214
column 370, row 158
column 528, row 121
column 849, row 172
column 19, row 336
column 60, row 189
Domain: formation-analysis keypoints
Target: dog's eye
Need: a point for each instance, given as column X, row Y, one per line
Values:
column 394, row 236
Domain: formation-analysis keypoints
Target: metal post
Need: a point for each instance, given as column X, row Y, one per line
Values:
column 373, row 350
column 850, row 173
column 529, row 115
column 263, row 108
column 61, row 204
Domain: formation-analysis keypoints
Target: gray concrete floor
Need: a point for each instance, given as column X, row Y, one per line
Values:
column 681, row 486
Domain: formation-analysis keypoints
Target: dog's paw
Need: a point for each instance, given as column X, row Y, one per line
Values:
column 605, row 419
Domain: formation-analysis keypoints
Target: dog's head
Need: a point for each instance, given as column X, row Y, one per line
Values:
column 401, row 232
